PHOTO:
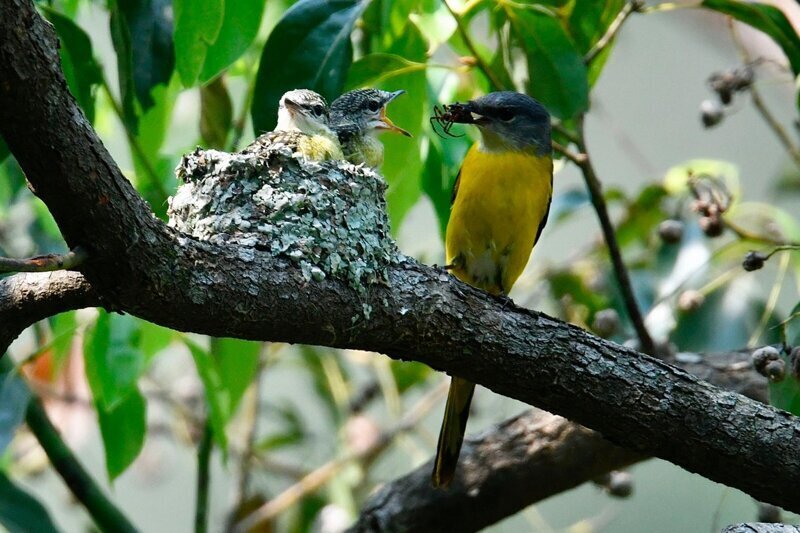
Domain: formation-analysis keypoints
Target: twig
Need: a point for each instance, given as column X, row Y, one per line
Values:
column 203, row 479
column 45, row 263
column 747, row 235
column 497, row 85
column 773, row 123
column 631, row 7
column 620, row 270
column 318, row 477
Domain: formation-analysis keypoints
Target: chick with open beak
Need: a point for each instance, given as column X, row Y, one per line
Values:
column 304, row 126
column 358, row 117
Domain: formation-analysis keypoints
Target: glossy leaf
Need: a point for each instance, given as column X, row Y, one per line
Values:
column 14, row 398
column 240, row 23
column 20, row 512
column 197, row 26
column 436, row 184
column 123, row 428
column 216, row 113
column 407, row 374
column 589, row 20
column 309, row 48
column 557, row 74
column 766, row 18
column 77, row 60
column 63, row 327
column 141, row 31
column 113, row 359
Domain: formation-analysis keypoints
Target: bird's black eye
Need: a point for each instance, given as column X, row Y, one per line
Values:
column 505, row 114
column 318, row 110
column 373, row 105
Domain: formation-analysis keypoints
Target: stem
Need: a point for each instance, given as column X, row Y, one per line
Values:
column 631, row 7
column 620, row 270
column 494, row 81
column 104, row 513
column 44, row 263
column 203, row 479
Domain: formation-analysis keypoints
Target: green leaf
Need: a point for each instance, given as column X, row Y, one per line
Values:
column 567, row 203
column 589, row 20
column 197, row 26
column 436, row 184
column 408, row 373
column 237, row 361
column 375, row 69
column 14, row 398
column 63, row 327
column 153, row 339
column 77, row 60
column 309, row 48
column 226, row 371
column 123, row 428
column 557, row 74
column 766, row 18
column 216, row 397
column 113, row 359
column 20, row 512
column 792, row 326
column 216, row 113
column 141, row 31
column 240, row 24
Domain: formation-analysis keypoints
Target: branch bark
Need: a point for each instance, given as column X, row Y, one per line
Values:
column 142, row 267
column 524, row 460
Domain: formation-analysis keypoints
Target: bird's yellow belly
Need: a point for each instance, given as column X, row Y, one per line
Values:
column 500, row 202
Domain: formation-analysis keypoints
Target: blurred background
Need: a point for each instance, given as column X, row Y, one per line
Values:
column 289, row 410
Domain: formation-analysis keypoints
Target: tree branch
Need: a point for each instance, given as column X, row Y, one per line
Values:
column 142, row 267
column 524, row 460
column 28, row 298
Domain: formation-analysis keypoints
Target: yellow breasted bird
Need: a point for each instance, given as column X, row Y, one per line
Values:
column 500, row 204
column 303, row 125
column 358, row 117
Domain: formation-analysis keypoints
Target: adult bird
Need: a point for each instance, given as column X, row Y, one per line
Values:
column 500, row 204
column 304, row 126
column 358, row 117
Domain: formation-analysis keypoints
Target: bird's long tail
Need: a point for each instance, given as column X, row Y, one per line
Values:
column 451, row 435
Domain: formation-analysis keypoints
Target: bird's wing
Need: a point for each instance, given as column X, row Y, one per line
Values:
column 543, row 222
column 455, row 189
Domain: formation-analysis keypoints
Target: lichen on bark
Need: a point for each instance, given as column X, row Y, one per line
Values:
column 327, row 217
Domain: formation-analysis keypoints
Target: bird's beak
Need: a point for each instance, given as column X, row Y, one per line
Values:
column 387, row 124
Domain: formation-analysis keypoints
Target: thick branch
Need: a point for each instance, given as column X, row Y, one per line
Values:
column 524, row 460
column 142, row 267
column 28, row 298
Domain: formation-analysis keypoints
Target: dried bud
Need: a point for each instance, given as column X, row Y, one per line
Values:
column 620, row 484
column 754, row 261
column 775, row 370
column 711, row 226
column 764, row 355
column 701, row 206
column 468, row 61
column 690, row 300
column 670, row 231
column 606, row 322
column 711, row 113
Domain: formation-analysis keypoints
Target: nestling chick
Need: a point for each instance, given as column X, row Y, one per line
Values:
column 303, row 125
column 358, row 117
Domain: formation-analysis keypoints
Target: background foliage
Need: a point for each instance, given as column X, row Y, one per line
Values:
column 683, row 235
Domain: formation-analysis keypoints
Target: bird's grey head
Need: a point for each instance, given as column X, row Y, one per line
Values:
column 366, row 110
column 303, row 110
column 510, row 120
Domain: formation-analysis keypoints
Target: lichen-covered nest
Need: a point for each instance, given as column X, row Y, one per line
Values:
column 329, row 218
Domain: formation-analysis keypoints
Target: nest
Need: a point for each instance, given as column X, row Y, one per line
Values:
column 328, row 218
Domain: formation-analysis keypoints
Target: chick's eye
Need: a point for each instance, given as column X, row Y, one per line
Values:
column 373, row 105
column 318, row 110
